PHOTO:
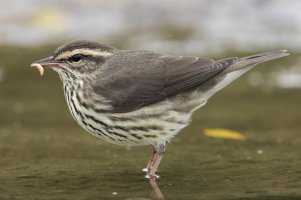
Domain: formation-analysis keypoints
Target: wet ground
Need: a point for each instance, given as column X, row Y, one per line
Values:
column 45, row 155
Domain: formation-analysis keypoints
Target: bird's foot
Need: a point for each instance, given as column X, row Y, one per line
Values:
column 153, row 176
column 149, row 176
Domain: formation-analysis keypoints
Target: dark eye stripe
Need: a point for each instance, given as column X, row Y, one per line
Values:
column 76, row 58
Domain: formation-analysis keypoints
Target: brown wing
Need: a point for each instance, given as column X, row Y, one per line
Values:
column 137, row 82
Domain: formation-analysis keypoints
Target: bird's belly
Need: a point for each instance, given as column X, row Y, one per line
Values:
column 148, row 129
column 130, row 131
column 142, row 127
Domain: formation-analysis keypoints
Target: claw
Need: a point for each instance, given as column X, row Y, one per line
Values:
column 152, row 176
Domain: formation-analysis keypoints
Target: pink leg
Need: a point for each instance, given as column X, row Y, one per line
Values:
column 155, row 160
column 151, row 159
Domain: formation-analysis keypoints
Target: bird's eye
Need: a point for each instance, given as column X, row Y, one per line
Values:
column 76, row 58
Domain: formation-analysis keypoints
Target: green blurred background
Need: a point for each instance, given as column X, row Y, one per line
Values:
column 46, row 155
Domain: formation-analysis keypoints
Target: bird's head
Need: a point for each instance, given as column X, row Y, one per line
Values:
column 76, row 59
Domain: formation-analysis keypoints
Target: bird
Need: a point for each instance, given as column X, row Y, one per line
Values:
column 138, row 97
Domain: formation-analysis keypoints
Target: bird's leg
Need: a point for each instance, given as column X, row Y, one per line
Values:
column 159, row 150
column 150, row 160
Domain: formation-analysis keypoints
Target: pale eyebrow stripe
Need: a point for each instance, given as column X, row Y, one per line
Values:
column 68, row 54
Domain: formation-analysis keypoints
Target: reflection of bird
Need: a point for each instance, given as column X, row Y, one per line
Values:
column 140, row 97
column 156, row 190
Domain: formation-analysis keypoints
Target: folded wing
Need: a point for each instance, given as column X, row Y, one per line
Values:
column 132, row 86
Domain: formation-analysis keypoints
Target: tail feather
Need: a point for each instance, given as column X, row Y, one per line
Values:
column 238, row 68
column 256, row 59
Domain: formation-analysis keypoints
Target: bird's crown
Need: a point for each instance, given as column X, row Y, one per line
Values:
column 82, row 47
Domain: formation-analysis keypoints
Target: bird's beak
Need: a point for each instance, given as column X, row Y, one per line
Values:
column 46, row 62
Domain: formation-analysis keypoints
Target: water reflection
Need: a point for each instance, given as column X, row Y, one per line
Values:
column 157, row 194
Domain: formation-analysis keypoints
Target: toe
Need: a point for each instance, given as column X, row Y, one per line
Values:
column 154, row 176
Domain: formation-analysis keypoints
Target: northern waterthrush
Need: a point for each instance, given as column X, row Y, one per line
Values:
column 140, row 97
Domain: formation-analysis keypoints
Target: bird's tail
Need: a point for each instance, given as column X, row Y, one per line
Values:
column 238, row 68
column 253, row 60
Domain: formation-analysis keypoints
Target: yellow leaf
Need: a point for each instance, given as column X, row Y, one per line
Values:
column 224, row 134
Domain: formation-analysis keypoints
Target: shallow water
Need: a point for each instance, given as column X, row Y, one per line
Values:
column 45, row 155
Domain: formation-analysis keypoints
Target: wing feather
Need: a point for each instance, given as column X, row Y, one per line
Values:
column 160, row 77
